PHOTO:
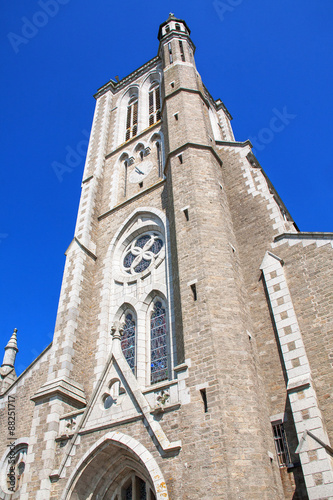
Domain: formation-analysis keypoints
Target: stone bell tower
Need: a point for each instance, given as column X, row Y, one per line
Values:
column 181, row 365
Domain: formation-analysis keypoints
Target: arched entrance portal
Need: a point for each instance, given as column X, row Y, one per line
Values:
column 117, row 467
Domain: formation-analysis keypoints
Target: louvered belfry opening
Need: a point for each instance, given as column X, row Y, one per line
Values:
column 154, row 104
column 132, row 118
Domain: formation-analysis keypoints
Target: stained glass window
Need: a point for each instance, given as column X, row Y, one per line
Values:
column 159, row 353
column 128, row 492
column 141, row 489
column 140, row 242
column 142, row 265
column 128, row 341
column 142, row 252
column 138, row 489
column 156, row 246
column 128, row 259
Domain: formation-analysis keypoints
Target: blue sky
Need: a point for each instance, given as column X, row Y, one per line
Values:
column 260, row 58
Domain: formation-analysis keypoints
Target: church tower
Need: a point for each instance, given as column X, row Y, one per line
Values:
column 191, row 357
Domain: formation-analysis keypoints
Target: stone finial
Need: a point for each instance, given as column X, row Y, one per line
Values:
column 10, row 351
column 117, row 330
column 171, row 16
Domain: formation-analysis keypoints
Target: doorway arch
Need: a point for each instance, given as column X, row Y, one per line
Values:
column 115, row 466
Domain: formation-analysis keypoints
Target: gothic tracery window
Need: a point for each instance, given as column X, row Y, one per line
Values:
column 154, row 104
column 128, row 340
column 158, row 348
column 132, row 118
column 141, row 293
column 142, row 252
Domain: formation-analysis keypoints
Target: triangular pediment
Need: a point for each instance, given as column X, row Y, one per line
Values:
column 114, row 401
column 118, row 399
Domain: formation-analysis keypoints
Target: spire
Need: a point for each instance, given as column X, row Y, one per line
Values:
column 10, row 351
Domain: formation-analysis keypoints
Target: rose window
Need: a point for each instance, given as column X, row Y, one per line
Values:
column 142, row 252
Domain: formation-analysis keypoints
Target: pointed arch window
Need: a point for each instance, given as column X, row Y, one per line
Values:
column 125, row 176
column 154, row 104
column 182, row 53
column 132, row 118
column 158, row 344
column 159, row 159
column 137, row 488
column 11, row 475
column 128, row 341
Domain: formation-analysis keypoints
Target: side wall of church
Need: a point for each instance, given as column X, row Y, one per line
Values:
column 257, row 220
column 309, row 269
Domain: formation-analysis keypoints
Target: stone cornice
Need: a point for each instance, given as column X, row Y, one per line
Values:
column 116, row 86
column 63, row 388
column 220, row 105
column 178, row 34
column 194, row 145
column 255, row 163
column 133, row 139
column 235, row 144
column 135, row 197
column 184, row 89
column 85, row 249
column 304, row 236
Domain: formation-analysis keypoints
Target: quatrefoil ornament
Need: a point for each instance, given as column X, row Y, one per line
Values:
column 142, row 252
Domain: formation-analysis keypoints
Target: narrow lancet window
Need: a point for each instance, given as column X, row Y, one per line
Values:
column 182, row 54
column 159, row 159
column 159, row 351
column 154, row 104
column 132, row 118
column 281, row 445
column 128, row 341
column 170, row 53
column 125, row 177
